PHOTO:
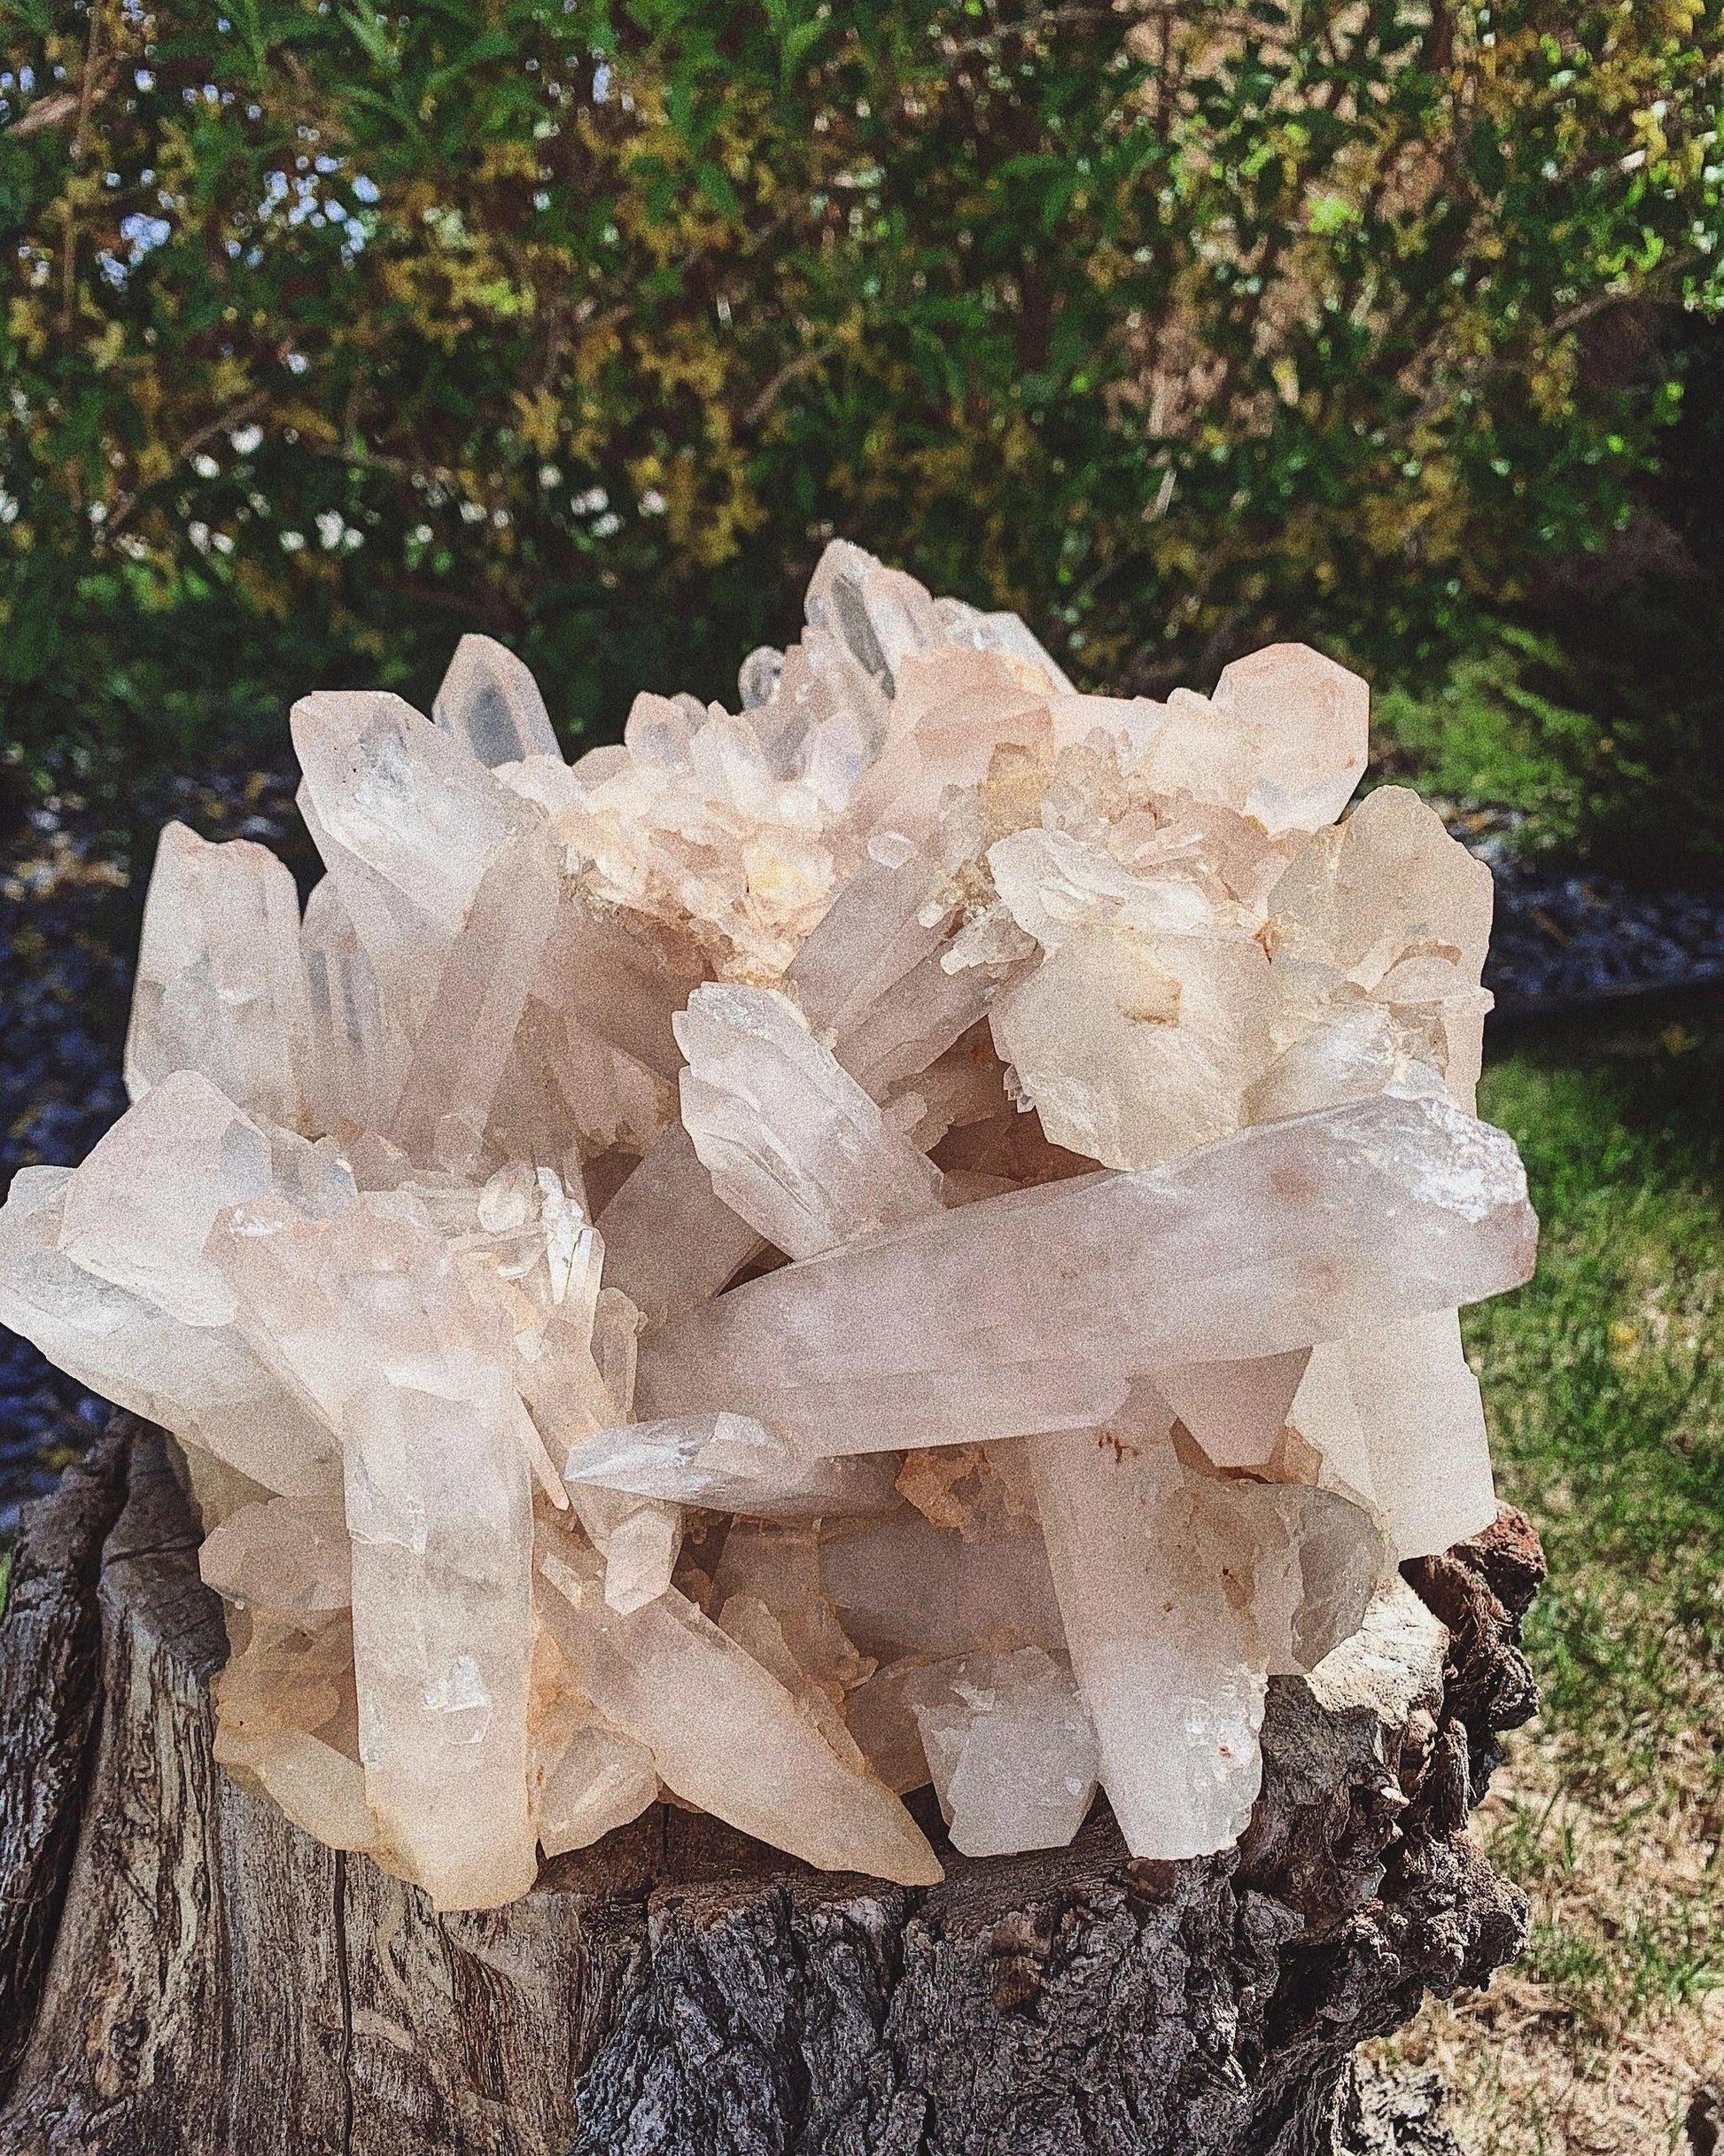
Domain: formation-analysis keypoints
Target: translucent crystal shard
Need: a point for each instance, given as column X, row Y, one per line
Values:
column 1387, row 886
column 872, row 936
column 728, row 1463
column 595, row 1061
column 317, row 1787
column 1173, row 1676
column 1009, row 1747
column 1235, row 1410
column 491, row 702
column 1053, row 883
column 286, row 1726
column 997, row 632
column 464, row 1041
column 1137, row 1046
column 881, row 613
column 792, row 1143
column 723, row 1733
column 202, row 1381
column 1424, row 1426
column 672, row 1240
column 140, row 1209
column 287, row 1556
column 1396, row 1416
column 600, row 1780
column 439, row 1509
column 403, row 799
column 359, row 1050
column 1284, row 739
column 953, row 711
column 1379, row 931
column 904, row 1586
column 220, row 988
column 1316, row 1558
column 408, row 821
column 1034, row 1310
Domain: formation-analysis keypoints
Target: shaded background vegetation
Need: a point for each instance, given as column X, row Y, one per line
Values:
column 330, row 332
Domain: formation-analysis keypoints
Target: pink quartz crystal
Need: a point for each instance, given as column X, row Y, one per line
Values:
column 912, row 1231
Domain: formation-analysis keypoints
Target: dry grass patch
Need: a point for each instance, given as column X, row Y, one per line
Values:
column 1594, row 2045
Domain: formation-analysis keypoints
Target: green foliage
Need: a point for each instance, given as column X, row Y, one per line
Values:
column 1600, row 711
column 1488, row 735
column 1608, row 731
column 332, row 331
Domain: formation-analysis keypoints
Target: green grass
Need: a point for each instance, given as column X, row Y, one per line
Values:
column 1605, row 1379
column 1606, row 1383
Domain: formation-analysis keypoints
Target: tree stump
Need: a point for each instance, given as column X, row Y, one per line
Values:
column 181, row 1969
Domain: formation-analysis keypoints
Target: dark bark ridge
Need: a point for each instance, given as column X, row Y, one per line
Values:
column 186, row 1972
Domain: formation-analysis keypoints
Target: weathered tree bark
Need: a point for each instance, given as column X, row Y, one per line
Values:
column 182, row 1969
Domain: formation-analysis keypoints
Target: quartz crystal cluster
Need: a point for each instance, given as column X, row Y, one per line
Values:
column 909, row 1233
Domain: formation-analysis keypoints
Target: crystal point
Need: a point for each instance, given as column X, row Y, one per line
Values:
column 220, row 987
column 491, row 702
column 1260, row 1244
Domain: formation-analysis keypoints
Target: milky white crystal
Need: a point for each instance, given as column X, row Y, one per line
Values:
column 793, row 1144
column 910, row 1232
column 1034, row 1310
column 220, row 987
column 1009, row 1745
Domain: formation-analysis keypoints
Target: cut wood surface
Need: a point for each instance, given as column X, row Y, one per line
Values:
column 183, row 1970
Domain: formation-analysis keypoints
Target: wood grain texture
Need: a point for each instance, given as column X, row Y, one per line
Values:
column 221, row 1985
column 50, row 1687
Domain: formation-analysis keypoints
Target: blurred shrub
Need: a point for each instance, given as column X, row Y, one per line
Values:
column 1598, row 710
column 331, row 332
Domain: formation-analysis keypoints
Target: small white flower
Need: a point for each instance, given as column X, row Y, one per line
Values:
column 653, row 503
column 331, row 524
column 607, row 524
column 205, row 466
column 246, row 439
column 292, row 542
